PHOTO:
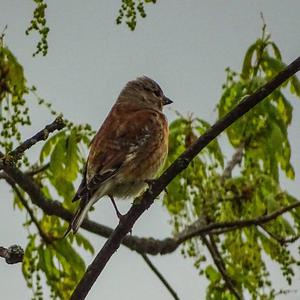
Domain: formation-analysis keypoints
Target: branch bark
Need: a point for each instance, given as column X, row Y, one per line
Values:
column 47, row 239
column 14, row 254
column 148, row 245
column 113, row 243
column 235, row 160
column 279, row 239
column 217, row 258
column 42, row 135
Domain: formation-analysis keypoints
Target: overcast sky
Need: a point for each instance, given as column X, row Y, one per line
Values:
column 185, row 46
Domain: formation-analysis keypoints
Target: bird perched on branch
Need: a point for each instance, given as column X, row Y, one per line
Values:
column 128, row 150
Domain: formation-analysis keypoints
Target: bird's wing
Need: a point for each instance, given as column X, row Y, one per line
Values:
column 116, row 143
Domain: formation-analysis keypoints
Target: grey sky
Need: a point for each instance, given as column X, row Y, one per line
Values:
column 185, row 46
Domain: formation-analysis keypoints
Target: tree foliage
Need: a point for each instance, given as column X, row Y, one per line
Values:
column 55, row 171
column 129, row 11
column 254, row 189
column 212, row 187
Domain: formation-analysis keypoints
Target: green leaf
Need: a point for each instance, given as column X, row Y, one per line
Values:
column 212, row 274
column 49, row 145
column 295, row 85
column 271, row 66
column 70, row 259
column 72, row 157
column 247, row 66
column 276, row 50
column 83, row 242
column 58, row 157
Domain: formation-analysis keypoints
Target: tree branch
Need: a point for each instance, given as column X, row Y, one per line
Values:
column 36, row 170
column 235, row 160
column 160, row 276
column 14, row 254
column 114, row 241
column 217, row 258
column 47, row 239
column 140, row 244
column 279, row 239
column 150, row 245
column 42, row 135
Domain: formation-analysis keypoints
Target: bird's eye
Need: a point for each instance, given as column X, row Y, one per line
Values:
column 157, row 93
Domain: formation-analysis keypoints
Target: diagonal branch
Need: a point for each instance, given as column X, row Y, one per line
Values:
column 47, row 239
column 42, row 135
column 36, row 170
column 235, row 160
column 279, row 239
column 137, row 209
column 217, row 258
column 160, row 276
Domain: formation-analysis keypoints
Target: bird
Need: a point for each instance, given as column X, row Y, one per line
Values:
column 128, row 150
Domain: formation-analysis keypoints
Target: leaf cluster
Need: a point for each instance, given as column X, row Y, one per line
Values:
column 130, row 9
column 14, row 111
column 39, row 24
column 56, row 171
column 57, row 259
column 251, row 188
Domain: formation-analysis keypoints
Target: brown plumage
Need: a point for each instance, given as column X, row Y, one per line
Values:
column 129, row 148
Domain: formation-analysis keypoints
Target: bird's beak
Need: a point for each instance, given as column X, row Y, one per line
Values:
column 167, row 101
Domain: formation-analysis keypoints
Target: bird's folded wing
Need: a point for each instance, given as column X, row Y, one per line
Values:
column 116, row 143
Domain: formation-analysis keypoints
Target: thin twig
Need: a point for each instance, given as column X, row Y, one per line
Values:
column 217, row 258
column 223, row 227
column 235, row 160
column 37, row 170
column 2, row 35
column 42, row 234
column 181, row 163
column 279, row 239
column 42, row 135
column 160, row 276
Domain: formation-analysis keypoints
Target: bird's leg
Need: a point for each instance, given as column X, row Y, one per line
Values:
column 120, row 216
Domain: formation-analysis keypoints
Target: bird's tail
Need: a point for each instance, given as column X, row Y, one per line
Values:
column 79, row 216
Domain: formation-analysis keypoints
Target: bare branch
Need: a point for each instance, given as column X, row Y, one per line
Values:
column 181, row 163
column 160, row 276
column 149, row 245
column 42, row 234
column 42, row 135
column 223, row 227
column 279, row 239
column 14, row 254
column 236, row 160
column 217, row 258
column 36, row 170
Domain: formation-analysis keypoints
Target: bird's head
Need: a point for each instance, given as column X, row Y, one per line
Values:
column 145, row 93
